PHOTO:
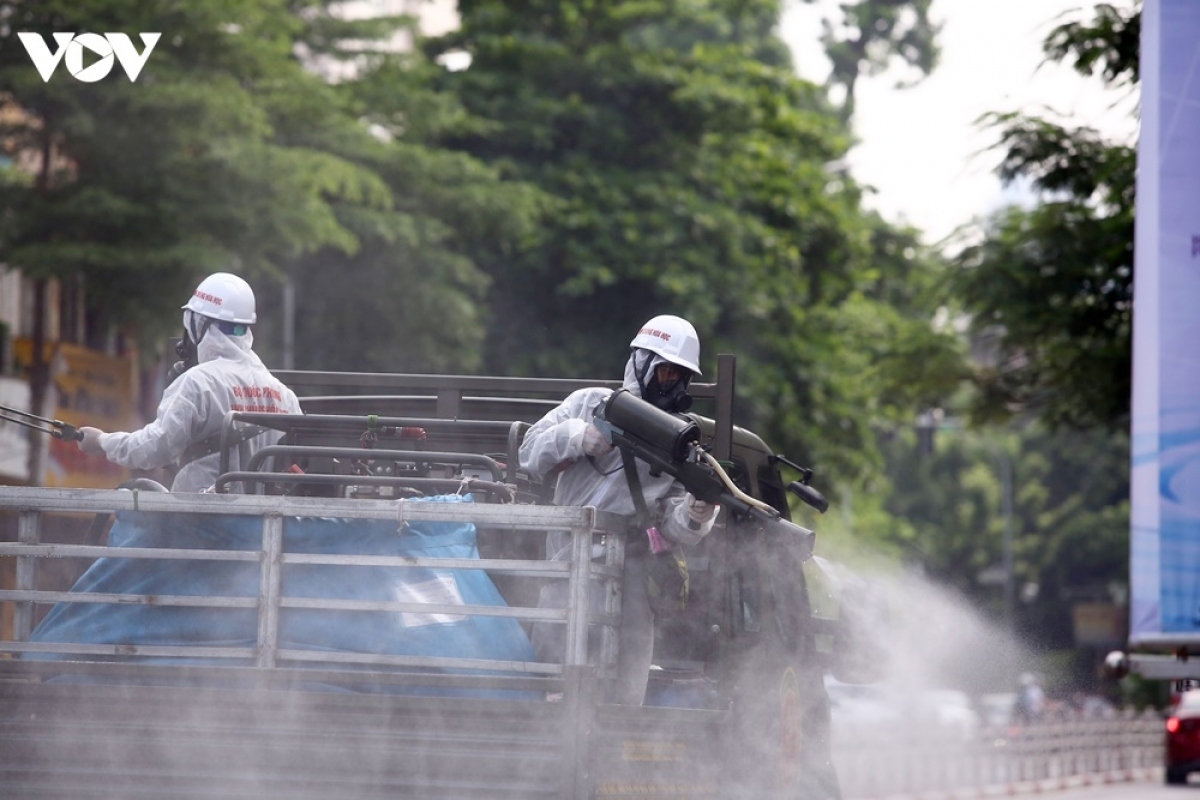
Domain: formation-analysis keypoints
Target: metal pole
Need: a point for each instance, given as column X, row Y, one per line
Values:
column 268, row 593
column 723, row 434
column 28, row 532
column 289, row 323
column 578, row 593
column 1006, row 510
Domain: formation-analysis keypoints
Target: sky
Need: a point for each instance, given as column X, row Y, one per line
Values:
column 920, row 147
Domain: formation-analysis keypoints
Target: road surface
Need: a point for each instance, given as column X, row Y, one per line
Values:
column 1129, row 791
column 1125, row 790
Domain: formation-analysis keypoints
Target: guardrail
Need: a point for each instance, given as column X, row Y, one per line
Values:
column 886, row 761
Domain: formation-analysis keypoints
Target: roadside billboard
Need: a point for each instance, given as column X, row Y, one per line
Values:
column 1165, row 485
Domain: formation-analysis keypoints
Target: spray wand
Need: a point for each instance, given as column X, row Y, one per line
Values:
column 56, row 428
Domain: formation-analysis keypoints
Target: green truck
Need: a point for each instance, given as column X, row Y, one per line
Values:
column 280, row 641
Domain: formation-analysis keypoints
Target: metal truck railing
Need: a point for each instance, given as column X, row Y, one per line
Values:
column 31, row 504
column 905, row 759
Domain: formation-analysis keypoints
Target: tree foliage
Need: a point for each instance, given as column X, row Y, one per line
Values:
column 413, row 297
column 872, row 36
column 688, row 169
column 216, row 158
column 273, row 138
column 598, row 163
column 943, row 515
column 1048, row 294
column 1053, row 284
column 1107, row 45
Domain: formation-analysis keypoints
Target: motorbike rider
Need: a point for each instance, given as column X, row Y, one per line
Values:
column 664, row 358
column 219, row 372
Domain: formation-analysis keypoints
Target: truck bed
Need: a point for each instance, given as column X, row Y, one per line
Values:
column 92, row 718
column 127, row 740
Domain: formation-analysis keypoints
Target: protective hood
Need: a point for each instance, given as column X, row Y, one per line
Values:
column 216, row 344
column 675, row 399
column 637, row 359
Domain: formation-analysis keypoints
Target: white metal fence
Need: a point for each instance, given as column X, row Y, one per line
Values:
column 881, row 761
column 30, row 503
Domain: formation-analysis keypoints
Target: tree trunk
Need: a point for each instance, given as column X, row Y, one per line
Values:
column 39, row 373
column 39, row 379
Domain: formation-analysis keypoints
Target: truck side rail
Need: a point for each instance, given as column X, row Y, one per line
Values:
column 256, row 481
column 414, row 456
column 454, row 412
column 31, row 503
column 455, row 394
column 254, row 474
column 510, row 432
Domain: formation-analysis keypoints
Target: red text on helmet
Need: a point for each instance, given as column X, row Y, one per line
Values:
column 216, row 301
column 655, row 333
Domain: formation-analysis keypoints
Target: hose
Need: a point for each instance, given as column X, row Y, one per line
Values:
column 734, row 490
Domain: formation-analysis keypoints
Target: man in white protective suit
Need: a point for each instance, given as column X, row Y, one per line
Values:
column 665, row 357
column 219, row 373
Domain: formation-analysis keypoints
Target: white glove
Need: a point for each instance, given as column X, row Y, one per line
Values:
column 594, row 443
column 90, row 443
column 699, row 511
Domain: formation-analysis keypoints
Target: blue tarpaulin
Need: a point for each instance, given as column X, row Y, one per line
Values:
column 375, row 632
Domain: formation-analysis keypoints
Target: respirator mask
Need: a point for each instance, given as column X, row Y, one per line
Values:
column 672, row 396
column 194, row 328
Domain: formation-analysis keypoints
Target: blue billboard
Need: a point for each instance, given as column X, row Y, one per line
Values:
column 1165, row 490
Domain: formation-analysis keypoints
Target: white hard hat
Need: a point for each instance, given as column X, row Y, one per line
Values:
column 671, row 337
column 225, row 297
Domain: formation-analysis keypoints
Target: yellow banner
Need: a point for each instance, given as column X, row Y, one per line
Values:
column 87, row 387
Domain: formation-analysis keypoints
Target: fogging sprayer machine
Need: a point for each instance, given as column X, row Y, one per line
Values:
column 670, row 443
column 56, row 428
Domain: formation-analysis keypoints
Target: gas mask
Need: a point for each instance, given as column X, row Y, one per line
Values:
column 672, row 397
column 187, row 358
column 194, row 328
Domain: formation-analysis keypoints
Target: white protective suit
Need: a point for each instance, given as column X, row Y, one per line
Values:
column 557, row 439
column 229, row 377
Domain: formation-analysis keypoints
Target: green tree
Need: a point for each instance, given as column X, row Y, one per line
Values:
column 871, row 37
column 1052, row 285
column 218, row 157
column 412, row 297
column 689, row 170
column 140, row 188
column 1069, row 521
column 273, row 138
column 1047, row 291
